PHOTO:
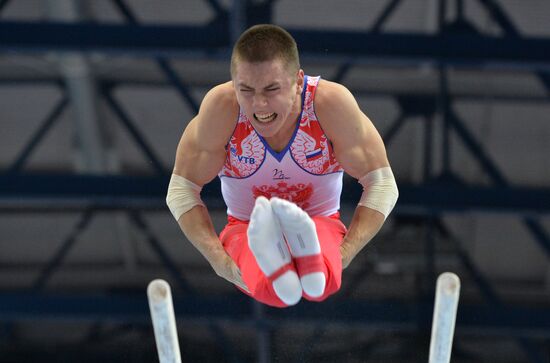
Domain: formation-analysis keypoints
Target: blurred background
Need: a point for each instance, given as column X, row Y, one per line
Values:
column 94, row 96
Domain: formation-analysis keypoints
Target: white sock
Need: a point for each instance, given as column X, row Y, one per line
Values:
column 300, row 233
column 266, row 242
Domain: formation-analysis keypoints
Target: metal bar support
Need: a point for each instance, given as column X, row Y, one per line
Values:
column 134, row 132
column 38, row 135
column 63, row 250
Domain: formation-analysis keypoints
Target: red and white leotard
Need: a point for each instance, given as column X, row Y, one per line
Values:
column 305, row 172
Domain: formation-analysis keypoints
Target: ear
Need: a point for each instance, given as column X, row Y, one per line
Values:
column 300, row 81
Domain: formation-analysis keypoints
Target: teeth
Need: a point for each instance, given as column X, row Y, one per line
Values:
column 265, row 116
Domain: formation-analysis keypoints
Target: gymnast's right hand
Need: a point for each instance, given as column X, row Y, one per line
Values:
column 227, row 269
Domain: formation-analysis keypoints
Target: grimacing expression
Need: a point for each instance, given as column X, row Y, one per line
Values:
column 268, row 94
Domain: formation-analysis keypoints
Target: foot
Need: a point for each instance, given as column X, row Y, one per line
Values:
column 299, row 231
column 267, row 243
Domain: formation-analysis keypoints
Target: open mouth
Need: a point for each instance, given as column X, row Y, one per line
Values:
column 265, row 117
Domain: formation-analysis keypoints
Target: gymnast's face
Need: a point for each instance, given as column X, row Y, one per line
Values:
column 269, row 95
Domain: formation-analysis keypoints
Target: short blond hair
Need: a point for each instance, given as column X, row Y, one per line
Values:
column 266, row 42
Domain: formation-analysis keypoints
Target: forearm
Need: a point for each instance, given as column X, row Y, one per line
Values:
column 379, row 196
column 364, row 225
column 197, row 226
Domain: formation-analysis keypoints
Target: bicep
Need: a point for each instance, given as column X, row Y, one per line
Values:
column 198, row 158
column 357, row 144
column 201, row 150
column 360, row 149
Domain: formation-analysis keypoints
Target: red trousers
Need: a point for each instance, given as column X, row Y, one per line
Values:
column 330, row 231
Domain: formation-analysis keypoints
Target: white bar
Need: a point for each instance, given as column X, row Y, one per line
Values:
column 443, row 325
column 164, row 321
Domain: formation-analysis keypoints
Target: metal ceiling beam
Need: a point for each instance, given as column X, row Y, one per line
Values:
column 38, row 135
column 147, row 39
column 364, row 90
column 81, row 88
column 134, row 132
column 66, row 191
column 163, row 63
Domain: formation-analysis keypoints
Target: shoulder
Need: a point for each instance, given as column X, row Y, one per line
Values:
column 217, row 116
column 357, row 144
column 331, row 94
column 337, row 109
column 220, row 102
column 201, row 150
column 210, row 130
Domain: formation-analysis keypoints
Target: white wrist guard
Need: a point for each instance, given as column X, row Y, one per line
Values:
column 379, row 191
column 182, row 195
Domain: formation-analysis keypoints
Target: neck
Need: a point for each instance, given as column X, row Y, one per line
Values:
column 280, row 141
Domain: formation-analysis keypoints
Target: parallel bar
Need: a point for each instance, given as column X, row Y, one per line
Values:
column 159, row 296
column 444, row 317
column 489, row 294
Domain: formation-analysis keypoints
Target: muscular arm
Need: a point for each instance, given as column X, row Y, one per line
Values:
column 359, row 149
column 200, row 156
